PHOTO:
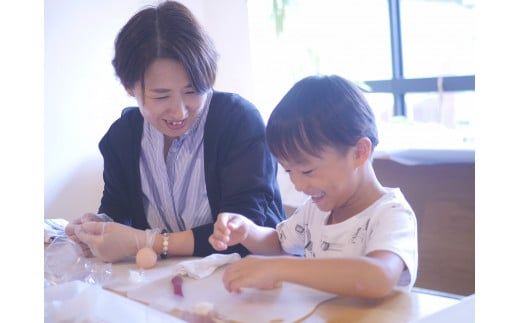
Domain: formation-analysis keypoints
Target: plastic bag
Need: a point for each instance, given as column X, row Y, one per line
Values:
column 64, row 262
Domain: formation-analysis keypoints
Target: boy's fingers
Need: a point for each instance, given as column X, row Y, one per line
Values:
column 221, row 225
column 221, row 245
column 220, row 230
column 217, row 244
column 222, row 235
column 233, row 284
column 222, row 219
column 234, row 223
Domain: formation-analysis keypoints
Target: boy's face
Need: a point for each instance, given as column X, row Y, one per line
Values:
column 331, row 181
column 169, row 101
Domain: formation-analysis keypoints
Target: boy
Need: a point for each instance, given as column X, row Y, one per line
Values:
column 358, row 238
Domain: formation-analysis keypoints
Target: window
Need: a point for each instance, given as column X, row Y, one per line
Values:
column 437, row 38
column 413, row 58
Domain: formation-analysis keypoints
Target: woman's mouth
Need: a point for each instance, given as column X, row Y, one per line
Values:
column 175, row 125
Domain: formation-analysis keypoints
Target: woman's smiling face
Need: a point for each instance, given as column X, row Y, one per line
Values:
column 168, row 101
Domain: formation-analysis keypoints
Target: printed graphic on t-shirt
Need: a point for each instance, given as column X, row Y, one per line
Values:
column 281, row 233
column 309, row 253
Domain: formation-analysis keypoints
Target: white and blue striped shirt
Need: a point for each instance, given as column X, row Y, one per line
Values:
column 174, row 191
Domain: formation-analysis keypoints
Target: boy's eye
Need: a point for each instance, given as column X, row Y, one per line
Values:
column 307, row 172
column 161, row 98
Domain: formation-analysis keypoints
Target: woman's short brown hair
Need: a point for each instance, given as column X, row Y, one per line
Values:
column 168, row 30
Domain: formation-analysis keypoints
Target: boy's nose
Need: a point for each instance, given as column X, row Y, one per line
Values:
column 299, row 184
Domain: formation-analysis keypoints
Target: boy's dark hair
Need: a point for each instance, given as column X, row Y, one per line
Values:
column 319, row 111
column 167, row 31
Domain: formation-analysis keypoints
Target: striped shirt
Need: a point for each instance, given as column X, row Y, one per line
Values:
column 174, row 191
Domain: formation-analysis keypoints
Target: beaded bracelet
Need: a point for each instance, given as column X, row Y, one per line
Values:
column 166, row 236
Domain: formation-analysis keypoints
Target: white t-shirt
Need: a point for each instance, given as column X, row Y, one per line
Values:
column 388, row 224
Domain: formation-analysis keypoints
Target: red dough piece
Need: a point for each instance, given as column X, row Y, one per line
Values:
column 177, row 285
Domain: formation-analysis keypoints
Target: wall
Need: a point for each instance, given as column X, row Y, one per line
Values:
column 83, row 96
column 443, row 198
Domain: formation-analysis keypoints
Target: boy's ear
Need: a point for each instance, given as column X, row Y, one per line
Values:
column 363, row 150
column 130, row 92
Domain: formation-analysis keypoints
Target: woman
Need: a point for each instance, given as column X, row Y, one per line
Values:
column 186, row 154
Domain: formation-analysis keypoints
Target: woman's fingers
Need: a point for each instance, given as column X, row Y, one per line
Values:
column 69, row 230
column 89, row 217
column 94, row 228
column 90, row 233
column 86, row 250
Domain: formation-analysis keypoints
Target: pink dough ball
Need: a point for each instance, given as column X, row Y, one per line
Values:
column 146, row 258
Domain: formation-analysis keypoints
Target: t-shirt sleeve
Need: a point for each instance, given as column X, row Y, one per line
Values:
column 395, row 230
column 291, row 232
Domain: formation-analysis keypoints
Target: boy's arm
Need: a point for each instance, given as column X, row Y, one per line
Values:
column 372, row 276
column 232, row 228
column 262, row 241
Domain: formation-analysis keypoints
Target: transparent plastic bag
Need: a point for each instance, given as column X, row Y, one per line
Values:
column 64, row 262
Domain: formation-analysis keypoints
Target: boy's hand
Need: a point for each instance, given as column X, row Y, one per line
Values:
column 252, row 272
column 229, row 229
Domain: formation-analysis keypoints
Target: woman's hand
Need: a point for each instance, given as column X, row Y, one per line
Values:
column 229, row 229
column 252, row 272
column 110, row 241
column 87, row 217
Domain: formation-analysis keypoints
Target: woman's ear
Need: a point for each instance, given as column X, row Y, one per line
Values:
column 363, row 150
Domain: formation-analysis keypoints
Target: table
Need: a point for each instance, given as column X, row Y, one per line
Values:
column 398, row 307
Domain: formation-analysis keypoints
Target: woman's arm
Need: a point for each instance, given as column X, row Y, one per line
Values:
column 179, row 243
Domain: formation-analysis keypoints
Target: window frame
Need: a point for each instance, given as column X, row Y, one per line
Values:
column 398, row 86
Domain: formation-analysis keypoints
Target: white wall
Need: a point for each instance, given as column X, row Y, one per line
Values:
column 83, row 96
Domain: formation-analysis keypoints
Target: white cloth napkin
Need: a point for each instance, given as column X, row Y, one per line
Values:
column 204, row 267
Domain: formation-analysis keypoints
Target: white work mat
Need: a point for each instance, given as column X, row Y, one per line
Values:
column 287, row 303
column 76, row 301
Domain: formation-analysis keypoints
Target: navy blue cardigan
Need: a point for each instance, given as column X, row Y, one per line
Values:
column 240, row 171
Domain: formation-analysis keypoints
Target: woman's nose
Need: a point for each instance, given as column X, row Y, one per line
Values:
column 178, row 109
